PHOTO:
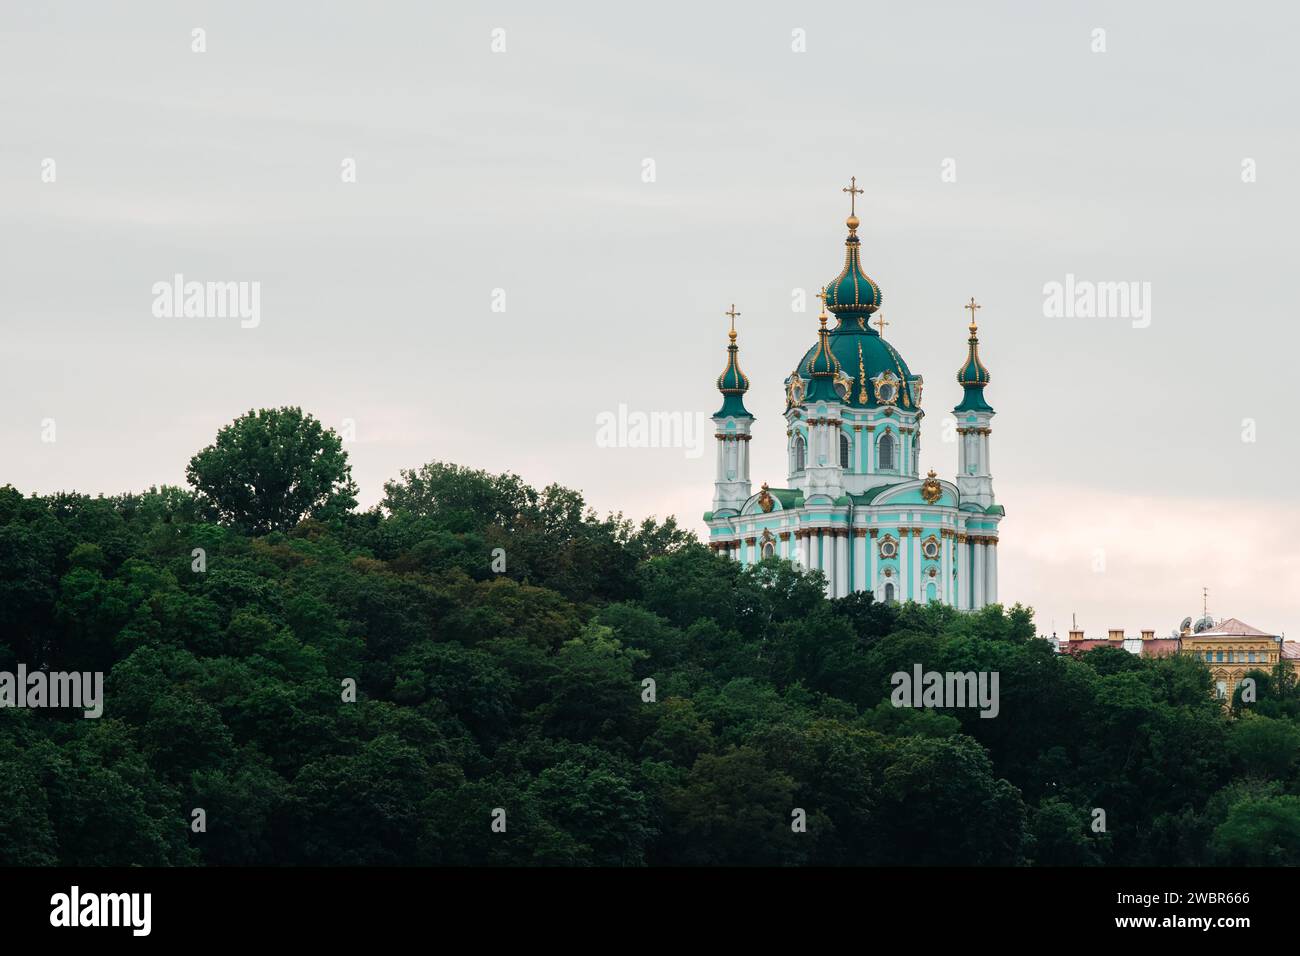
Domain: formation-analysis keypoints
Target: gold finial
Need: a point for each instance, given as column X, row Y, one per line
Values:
column 822, row 295
column 881, row 323
column 853, row 191
column 972, row 305
column 733, row 313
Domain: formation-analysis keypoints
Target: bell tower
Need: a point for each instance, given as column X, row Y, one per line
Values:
column 974, row 477
column 732, row 422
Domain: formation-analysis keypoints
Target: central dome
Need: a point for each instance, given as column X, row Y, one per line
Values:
column 864, row 359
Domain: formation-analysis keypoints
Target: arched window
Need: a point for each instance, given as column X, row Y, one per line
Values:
column 889, row 594
column 799, row 453
column 844, row 450
column 769, row 549
column 931, row 593
column 885, row 460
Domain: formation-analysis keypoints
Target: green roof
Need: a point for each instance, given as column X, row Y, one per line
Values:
column 973, row 376
column 732, row 406
column 872, row 493
column 733, row 384
column 973, row 401
column 860, row 355
column 853, row 292
column 789, row 497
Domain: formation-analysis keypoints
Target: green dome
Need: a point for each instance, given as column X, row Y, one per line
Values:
column 821, row 361
column 852, row 292
column 859, row 357
column 973, row 376
column 733, row 384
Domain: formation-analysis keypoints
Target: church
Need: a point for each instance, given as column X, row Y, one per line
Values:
column 854, row 505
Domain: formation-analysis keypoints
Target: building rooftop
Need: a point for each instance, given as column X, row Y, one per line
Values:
column 1232, row 627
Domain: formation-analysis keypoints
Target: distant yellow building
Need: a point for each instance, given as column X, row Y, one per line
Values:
column 1229, row 649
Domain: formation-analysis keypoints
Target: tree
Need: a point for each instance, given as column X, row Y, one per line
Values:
column 941, row 804
column 1260, row 832
column 271, row 468
column 1264, row 746
column 735, row 810
column 1061, row 835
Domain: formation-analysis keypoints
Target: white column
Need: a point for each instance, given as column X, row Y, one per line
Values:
column 805, row 550
column 828, row 560
column 992, row 571
column 981, row 586
column 918, row 590
column 872, row 552
column 904, row 562
column 945, row 566
column 963, row 573
column 860, row 560
column 842, row 562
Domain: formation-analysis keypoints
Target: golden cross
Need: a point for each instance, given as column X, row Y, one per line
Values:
column 822, row 295
column 973, row 305
column 733, row 313
column 853, row 191
column 881, row 323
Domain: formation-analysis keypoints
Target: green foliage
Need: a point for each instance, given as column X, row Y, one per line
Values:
column 270, row 468
column 624, row 696
column 1260, row 832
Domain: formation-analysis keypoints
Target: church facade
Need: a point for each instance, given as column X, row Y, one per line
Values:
column 854, row 504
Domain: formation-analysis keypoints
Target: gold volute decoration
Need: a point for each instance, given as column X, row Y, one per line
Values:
column 862, row 377
column 843, row 381
column 931, row 490
column 764, row 499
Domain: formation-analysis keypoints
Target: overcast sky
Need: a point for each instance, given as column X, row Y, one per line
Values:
column 523, row 170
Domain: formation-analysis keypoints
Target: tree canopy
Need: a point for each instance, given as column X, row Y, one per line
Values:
column 270, row 468
column 622, row 695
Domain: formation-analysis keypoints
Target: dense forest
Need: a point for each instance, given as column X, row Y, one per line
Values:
column 625, row 696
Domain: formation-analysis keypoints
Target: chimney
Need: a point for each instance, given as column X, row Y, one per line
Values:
column 1148, row 635
column 1076, row 634
column 1117, row 634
